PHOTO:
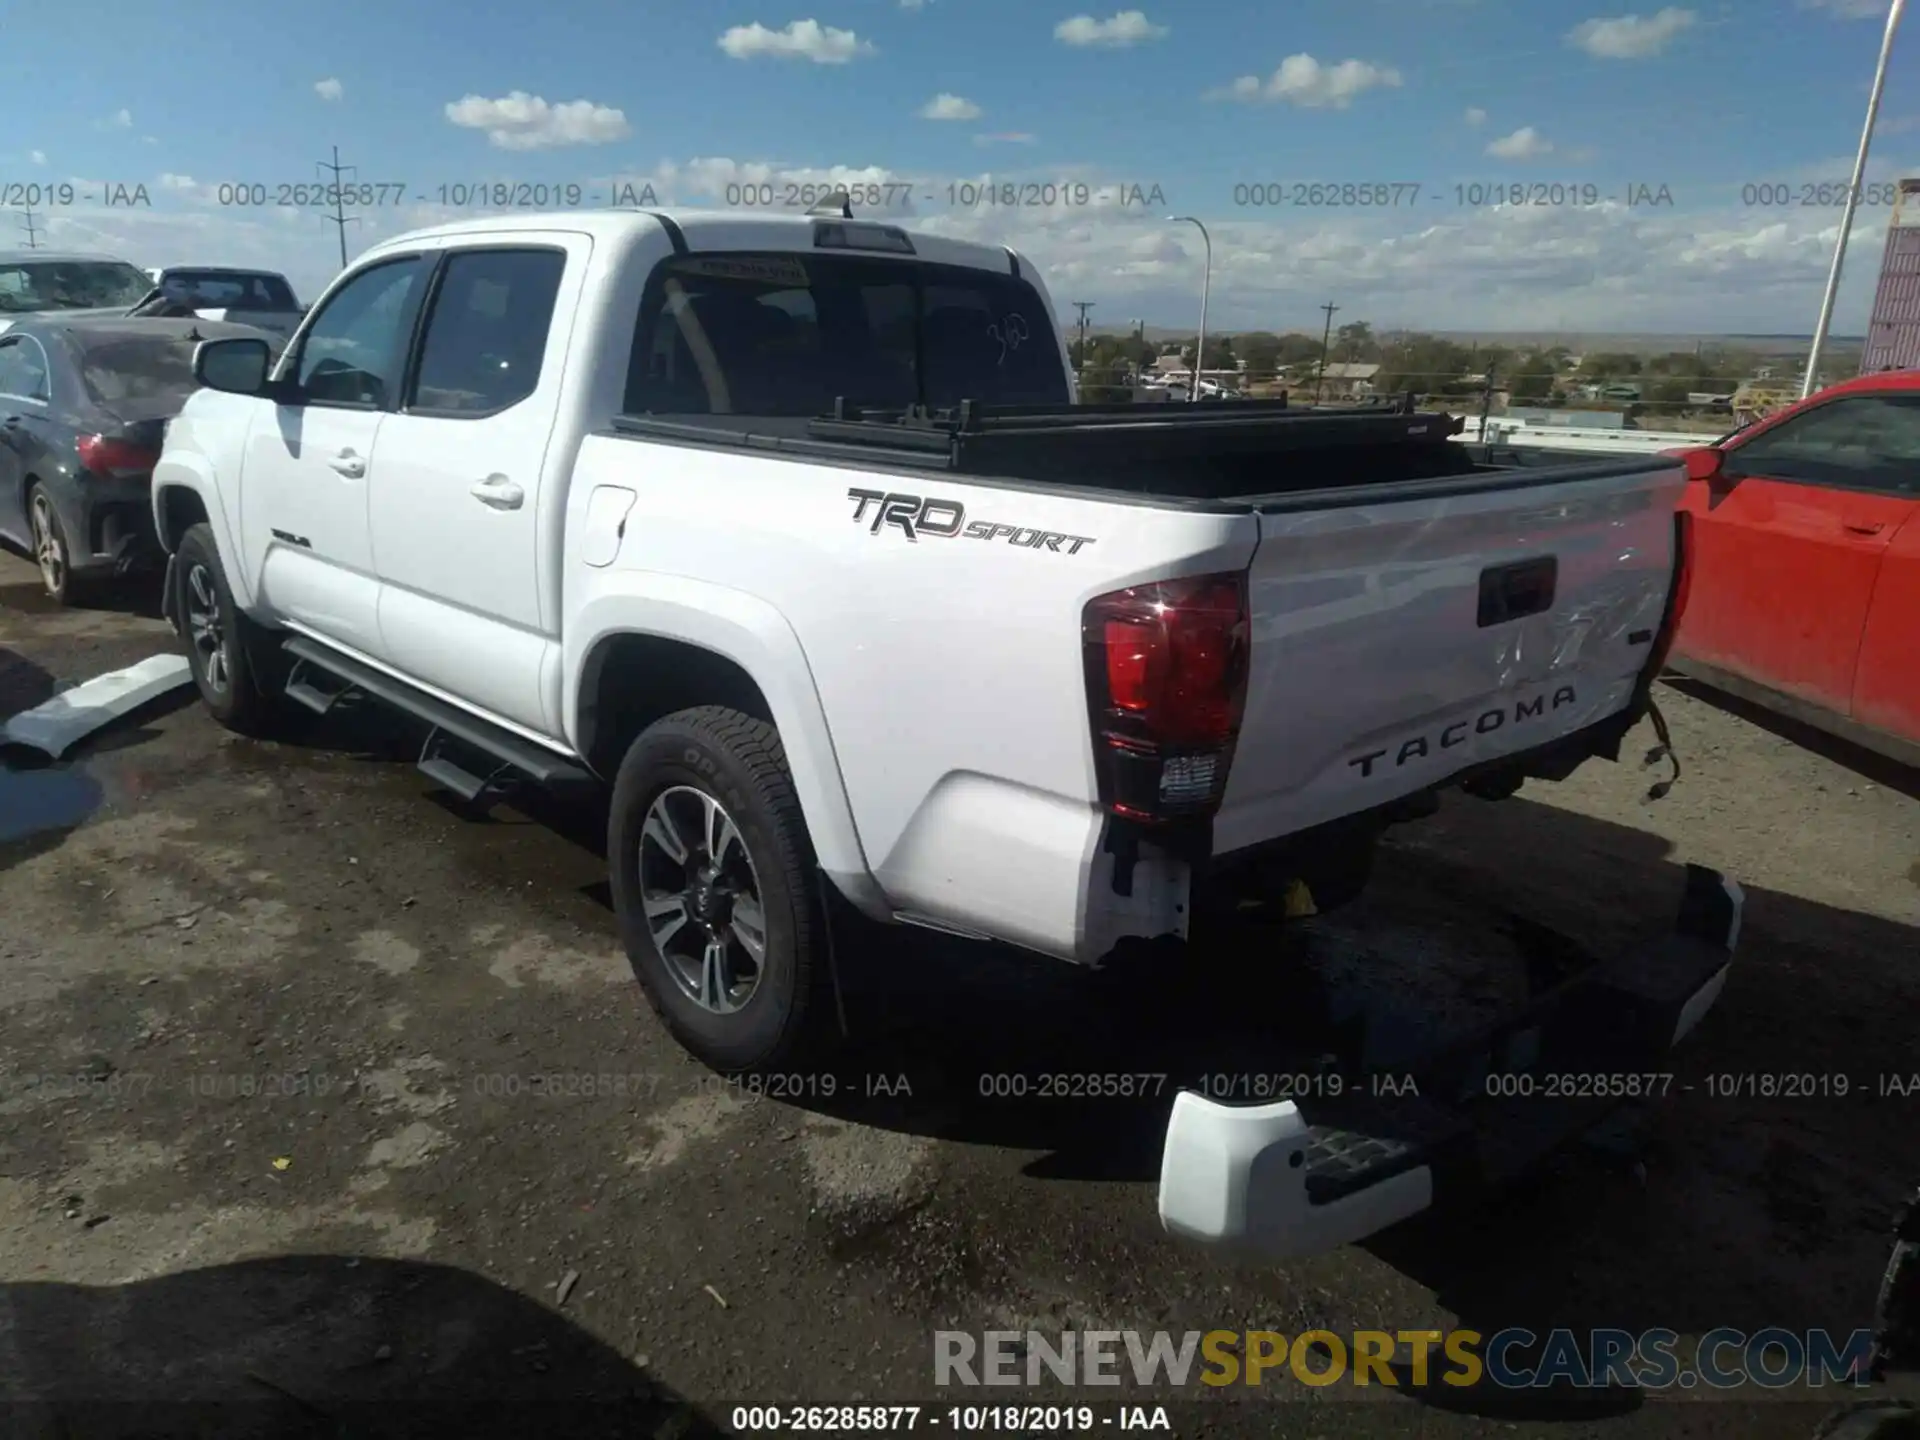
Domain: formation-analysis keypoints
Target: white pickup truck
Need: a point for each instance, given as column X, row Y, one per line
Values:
column 788, row 529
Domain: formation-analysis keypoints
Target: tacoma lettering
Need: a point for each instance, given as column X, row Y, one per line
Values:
column 1488, row 721
column 917, row 515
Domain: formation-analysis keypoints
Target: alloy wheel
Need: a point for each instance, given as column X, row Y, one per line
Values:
column 206, row 627
column 702, row 899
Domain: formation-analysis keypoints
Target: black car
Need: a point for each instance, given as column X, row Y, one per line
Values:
column 84, row 404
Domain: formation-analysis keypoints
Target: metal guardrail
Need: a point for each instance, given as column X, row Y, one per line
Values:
column 1568, row 437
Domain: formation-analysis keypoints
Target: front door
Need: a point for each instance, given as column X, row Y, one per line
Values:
column 310, row 458
column 1788, row 544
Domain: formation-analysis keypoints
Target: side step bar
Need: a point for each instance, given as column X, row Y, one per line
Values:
column 321, row 677
column 1290, row 1179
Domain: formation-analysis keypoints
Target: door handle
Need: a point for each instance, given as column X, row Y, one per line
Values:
column 499, row 492
column 1871, row 528
column 349, row 464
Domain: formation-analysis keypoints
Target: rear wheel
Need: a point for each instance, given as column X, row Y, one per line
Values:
column 52, row 552
column 714, row 888
column 225, row 650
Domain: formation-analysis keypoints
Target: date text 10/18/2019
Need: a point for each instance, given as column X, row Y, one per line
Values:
column 1409, row 194
column 1003, row 1419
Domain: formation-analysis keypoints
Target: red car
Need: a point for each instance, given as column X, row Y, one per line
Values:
column 1804, row 588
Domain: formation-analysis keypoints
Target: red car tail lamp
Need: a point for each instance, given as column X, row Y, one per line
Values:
column 106, row 456
column 1166, row 667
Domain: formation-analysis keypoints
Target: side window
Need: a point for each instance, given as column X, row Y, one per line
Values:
column 356, row 347
column 13, row 377
column 23, row 369
column 487, row 331
column 1864, row 442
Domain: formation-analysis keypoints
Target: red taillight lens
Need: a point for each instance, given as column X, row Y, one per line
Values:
column 1166, row 685
column 1677, row 596
column 106, row 456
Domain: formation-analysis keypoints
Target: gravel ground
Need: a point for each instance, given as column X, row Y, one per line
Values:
column 275, row 1016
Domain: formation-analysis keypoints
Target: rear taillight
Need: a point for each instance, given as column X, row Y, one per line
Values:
column 1166, row 686
column 104, row 455
column 1677, row 596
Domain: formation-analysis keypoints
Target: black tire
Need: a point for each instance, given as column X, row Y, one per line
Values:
column 44, row 530
column 788, row 1016
column 234, row 689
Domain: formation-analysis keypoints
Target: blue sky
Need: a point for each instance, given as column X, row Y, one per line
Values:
column 1591, row 101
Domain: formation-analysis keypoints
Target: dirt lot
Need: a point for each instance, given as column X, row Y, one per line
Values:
column 280, row 1027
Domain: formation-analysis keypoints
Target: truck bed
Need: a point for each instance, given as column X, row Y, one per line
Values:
column 1224, row 456
column 1414, row 615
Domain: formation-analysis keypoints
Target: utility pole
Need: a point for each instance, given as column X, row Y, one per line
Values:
column 1812, row 377
column 339, row 219
column 1326, row 336
column 1083, row 306
column 33, row 235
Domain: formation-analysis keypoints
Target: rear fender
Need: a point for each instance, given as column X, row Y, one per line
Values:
column 756, row 637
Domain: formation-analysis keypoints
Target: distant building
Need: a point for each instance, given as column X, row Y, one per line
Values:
column 1348, row 382
column 1893, row 331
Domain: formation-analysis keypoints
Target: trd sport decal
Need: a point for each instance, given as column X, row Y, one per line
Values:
column 917, row 515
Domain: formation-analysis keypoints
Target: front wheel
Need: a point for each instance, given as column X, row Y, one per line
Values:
column 713, row 884
column 224, row 648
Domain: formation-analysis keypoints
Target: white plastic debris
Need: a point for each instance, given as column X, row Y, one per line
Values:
column 69, row 717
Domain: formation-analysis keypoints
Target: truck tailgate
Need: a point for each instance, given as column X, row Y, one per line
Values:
column 1401, row 640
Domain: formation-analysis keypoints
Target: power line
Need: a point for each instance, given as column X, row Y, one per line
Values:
column 339, row 219
column 33, row 235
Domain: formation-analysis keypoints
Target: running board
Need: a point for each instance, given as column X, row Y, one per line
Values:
column 322, row 677
column 1294, row 1178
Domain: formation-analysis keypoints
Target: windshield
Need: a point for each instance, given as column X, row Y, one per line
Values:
column 787, row 335
column 140, row 377
column 228, row 290
column 35, row 285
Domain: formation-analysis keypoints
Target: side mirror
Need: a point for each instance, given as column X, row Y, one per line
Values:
column 239, row 366
column 1707, row 464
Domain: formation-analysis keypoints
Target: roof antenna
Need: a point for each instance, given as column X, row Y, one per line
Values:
column 837, row 206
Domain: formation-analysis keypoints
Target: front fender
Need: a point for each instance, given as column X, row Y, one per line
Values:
column 756, row 637
column 182, row 469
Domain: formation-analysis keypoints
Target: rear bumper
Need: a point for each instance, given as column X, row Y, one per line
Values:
column 1292, row 1179
column 111, row 528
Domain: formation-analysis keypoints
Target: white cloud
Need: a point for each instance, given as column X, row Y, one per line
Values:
column 1302, row 80
column 949, row 107
column 329, row 88
column 39, row 157
column 1476, row 116
column 1129, row 27
column 149, row 139
column 1850, row 9
column 1005, row 137
column 1526, row 143
column 520, row 121
column 801, row 40
column 178, row 182
column 1630, row 37
column 119, row 120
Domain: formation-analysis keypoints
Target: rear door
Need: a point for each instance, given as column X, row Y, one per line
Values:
column 1789, row 544
column 1398, row 643
column 23, row 405
column 456, row 508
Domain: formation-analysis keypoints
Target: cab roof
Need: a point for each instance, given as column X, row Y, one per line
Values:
column 705, row 230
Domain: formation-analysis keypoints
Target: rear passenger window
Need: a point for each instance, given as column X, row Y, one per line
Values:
column 487, row 331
